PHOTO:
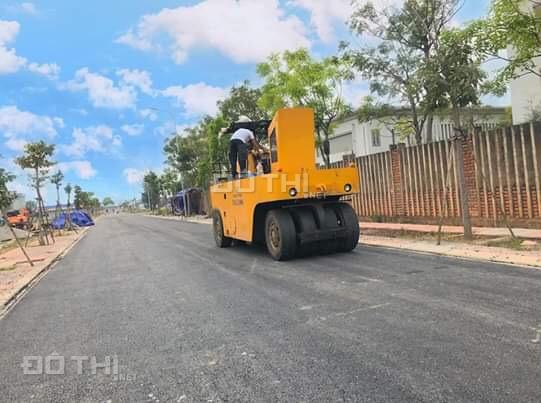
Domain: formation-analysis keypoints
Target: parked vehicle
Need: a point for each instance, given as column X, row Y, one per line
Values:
column 18, row 218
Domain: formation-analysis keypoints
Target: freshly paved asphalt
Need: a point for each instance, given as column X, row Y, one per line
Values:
column 189, row 322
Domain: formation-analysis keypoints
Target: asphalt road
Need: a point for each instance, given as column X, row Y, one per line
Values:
column 188, row 322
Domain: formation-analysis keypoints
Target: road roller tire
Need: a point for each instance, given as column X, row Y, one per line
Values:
column 218, row 226
column 351, row 222
column 305, row 222
column 280, row 235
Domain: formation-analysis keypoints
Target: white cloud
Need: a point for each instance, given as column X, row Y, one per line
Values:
column 83, row 169
column 9, row 61
column 138, row 79
column 197, row 99
column 149, row 114
column 133, row 130
column 134, row 176
column 100, row 139
column 29, row 8
column 170, row 128
column 21, row 126
column 102, row 91
column 246, row 31
column 325, row 14
column 16, row 144
column 49, row 70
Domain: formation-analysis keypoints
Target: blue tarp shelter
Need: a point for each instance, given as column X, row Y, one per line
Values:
column 78, row 217
column 193, row 198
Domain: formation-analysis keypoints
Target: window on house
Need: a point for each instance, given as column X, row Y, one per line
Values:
column 376, row 138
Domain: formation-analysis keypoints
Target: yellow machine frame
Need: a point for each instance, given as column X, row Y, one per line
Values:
column 294, row 179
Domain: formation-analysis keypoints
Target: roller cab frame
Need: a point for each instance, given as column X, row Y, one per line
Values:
column 294, row 208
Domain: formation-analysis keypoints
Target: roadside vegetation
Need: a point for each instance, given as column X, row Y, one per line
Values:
column 414, row 57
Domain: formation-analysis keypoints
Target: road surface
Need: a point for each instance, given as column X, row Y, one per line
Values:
column 180, row 320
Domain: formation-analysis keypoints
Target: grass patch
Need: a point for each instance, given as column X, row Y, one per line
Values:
column 515, row 244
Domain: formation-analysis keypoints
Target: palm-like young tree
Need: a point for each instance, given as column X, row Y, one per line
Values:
column 36, row 158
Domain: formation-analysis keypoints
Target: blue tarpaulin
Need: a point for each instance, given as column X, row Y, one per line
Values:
column 78, row 217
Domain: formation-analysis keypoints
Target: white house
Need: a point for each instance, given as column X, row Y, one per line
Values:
column 526, row 90
column 364, row 138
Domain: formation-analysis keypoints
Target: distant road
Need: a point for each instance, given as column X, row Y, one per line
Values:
column 188, row 322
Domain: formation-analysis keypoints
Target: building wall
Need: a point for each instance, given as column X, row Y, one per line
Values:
column 526, row 96
column 526, row 90
column 353, row 137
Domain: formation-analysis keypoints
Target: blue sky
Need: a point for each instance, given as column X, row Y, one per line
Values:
column 107, row 81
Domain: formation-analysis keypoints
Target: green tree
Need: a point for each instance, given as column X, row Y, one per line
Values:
column 84, row 200
column 242, row 101
column 6, row 197
column 512, row 33
column 36, row 158
column 56, row 180
column 187, row 154
column 107, row 201
column 151, row 194
column 296, row 79
column 68, row 190
column 169, row 182
column 403, row 65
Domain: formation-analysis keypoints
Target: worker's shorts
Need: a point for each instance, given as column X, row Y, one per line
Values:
column 238, row 150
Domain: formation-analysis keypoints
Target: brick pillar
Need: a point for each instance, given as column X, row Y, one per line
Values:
column 397, row 195
column 469, row 173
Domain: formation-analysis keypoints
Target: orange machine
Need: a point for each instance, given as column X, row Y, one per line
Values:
column 18, row 218
column 294, row 207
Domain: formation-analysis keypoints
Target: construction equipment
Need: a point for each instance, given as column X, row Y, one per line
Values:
column 294, row 207
column 18, row 218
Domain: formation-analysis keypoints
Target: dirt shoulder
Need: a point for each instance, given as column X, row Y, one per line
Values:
column 16, row 273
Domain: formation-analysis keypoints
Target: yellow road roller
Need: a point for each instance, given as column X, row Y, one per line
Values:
column 288, row 203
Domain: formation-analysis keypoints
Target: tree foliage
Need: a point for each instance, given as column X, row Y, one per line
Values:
column 56, row 180
column 242, row 101
column 512, row 33
column 294, row 78
column 151, row 193
column 85, row 200
column 36, row 157
column 107, row 201
column 403, row 64
column 6, row 196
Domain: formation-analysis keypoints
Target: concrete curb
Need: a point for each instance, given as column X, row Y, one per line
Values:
column 398, row 248
column 21, row 292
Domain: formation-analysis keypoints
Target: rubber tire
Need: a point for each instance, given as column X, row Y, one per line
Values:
column 305, row 223
column 282, row 221
column 218, row 227
column 351, row 222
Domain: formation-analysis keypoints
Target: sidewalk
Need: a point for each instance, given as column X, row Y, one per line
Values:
column 482, row 231
column 16, row 273
column 458, row 250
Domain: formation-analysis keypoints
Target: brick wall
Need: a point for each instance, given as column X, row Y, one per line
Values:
column 420, row 183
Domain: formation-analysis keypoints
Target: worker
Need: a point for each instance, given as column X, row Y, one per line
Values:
column 241, row 141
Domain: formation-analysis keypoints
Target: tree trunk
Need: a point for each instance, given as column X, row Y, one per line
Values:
column 464, row 195
column 40, row 211
column 17, row 239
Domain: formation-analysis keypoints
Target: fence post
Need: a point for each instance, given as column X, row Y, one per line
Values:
column 397, row 180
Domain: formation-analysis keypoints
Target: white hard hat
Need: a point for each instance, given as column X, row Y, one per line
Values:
column 244, row 119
